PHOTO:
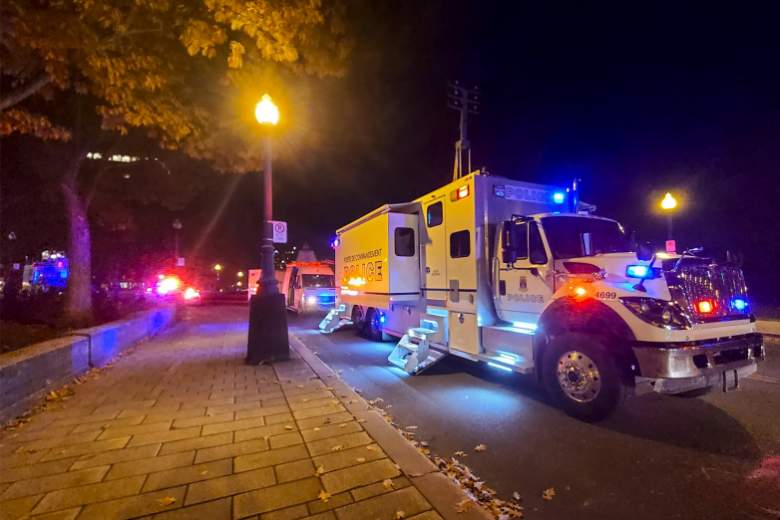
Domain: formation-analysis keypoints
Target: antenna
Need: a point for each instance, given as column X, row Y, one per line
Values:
column 466, row 101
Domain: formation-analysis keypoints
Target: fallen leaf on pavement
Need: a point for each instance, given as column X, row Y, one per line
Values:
column 387, row 483
column 477, row 491
column 288, row 427
column 464, row 505
column 548, row 493
column 166, row 501
column 361, row 459
column 317, row 428
column 480, row 447
column 516, row 496
column 371, row 447
column 461, row 453
column 399, row 515
column 324, row 495
column 337, row 447
column 320, row 470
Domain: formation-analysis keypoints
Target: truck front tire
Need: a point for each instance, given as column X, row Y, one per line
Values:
column 582, row 377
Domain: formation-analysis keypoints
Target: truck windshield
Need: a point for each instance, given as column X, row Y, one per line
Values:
column 566, row 236
column 317, row 280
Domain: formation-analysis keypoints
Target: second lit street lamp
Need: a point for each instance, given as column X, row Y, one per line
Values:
column 267, row 339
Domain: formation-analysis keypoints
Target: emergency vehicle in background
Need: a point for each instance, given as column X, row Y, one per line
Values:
column 307, row 286
column 49, row 273
column 524, row 277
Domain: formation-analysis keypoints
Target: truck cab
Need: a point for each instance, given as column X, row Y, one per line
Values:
column 526, row 278
column 674, row 324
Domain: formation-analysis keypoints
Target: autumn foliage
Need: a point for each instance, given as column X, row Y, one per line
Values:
column 178, row 69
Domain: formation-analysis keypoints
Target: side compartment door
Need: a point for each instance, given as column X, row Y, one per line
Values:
column 435, row 259
column 525, row 287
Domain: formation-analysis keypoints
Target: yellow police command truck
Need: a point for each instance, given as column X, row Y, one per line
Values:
column 524, row 277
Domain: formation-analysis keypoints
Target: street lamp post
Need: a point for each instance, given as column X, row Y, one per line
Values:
column 669, row 204
column 177, row 225
column 267, row 340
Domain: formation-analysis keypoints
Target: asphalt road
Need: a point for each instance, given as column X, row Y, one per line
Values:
column 660, row 457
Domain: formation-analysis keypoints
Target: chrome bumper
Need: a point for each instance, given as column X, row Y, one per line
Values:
column 679, row 367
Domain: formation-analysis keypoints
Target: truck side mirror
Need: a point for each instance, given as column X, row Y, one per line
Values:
column 508, row 253
column 644, row 252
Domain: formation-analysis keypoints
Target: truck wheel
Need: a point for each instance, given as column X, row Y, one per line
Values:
column 357, row 319
column 581, row 376
column 373, row 327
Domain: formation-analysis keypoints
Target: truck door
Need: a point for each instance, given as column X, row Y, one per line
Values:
column 462, row 255
column 435, row 268
column 290, row 285
column 524, row 287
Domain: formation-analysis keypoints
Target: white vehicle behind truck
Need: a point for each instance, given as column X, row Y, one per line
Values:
column 524, row 277
column 307, row 286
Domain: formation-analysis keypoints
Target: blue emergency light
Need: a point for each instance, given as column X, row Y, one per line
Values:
column 559, row 197
column 645, row 272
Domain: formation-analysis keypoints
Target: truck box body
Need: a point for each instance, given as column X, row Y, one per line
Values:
column 377, row 260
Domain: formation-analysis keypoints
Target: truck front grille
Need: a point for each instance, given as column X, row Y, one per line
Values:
column 719, row 284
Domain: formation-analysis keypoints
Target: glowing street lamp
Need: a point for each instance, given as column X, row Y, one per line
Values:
column 266, row 112
column 267, row 340
column 669, row 205
column 217, row 267
column 240, row 274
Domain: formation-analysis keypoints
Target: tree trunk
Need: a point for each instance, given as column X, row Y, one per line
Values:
column 78, row 299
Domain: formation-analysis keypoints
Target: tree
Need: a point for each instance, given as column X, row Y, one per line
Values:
column 186, row 73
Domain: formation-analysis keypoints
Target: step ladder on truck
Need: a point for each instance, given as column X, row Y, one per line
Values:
column 526, row 278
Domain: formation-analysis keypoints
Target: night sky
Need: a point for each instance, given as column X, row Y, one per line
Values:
column 635, row 99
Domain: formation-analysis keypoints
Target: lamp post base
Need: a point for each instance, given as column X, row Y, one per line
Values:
column 267, row 341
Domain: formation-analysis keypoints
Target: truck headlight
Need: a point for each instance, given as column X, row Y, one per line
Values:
column 660, row 313
column 311, row 300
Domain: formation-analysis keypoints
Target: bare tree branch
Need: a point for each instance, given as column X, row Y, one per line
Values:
column 23, row 92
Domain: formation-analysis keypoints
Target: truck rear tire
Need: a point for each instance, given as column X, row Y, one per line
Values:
column 373, row 327
column 357, row 319
column 582, row 377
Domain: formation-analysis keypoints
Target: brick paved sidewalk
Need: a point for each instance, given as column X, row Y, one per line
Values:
column 182, row 428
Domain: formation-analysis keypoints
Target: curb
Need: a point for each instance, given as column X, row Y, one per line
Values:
column 442, row 493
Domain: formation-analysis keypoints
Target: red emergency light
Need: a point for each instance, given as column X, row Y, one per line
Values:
column 705, row 306
column 460, row 193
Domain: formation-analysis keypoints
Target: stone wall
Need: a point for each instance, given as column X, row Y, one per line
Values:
column 28, row 374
